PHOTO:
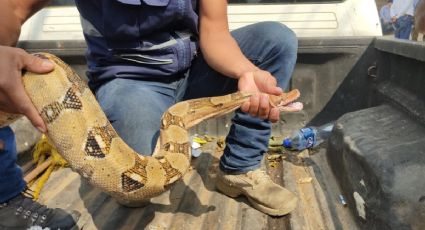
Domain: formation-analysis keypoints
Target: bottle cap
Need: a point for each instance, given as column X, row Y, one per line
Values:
column 196, row 152
column 287, row 143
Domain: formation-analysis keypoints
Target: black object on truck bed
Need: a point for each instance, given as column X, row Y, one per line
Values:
column 378, row 154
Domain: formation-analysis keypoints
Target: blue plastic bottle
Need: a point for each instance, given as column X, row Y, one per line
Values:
column 308, row 137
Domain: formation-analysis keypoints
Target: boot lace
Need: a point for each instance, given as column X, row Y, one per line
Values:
column 27, row 208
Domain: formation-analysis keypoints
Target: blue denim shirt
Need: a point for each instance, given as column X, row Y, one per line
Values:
column 138, row 38
column 384, row 13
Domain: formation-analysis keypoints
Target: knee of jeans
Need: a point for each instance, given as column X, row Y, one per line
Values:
column 279, row 35
column 106, row 94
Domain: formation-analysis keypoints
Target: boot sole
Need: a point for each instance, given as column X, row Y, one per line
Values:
column 274, row 212
column 234, row 192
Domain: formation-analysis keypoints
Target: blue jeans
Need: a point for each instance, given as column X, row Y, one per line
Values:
column 403, row 27
column 135, row 106
column 11, row 181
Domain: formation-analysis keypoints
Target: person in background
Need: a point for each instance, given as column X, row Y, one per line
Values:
column 385, row 16
column 402, row 12
column 415, row 33
column 420, row 17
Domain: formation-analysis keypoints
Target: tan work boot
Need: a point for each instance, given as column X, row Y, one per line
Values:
column 261, row 191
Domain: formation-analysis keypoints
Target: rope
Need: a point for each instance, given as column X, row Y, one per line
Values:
column 45, row 154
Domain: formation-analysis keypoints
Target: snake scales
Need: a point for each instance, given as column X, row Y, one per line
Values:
column 85, row 138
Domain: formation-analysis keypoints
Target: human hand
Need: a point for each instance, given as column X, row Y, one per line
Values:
column 261, row 83
column 13, row 98
column 394, row 19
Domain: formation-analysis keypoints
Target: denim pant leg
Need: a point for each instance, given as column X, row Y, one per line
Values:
column 403, row 27
column 272, row 47
column 135, row 108
column 11, row 180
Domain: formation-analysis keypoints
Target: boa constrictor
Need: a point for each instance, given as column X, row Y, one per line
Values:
column 84, row 137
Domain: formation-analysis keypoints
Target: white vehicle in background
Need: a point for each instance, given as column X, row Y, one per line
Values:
column 308, row 18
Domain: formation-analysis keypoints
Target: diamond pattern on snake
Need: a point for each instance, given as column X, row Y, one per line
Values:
column 134, row 178
column 70, row 101
column 169, row 119
column 174, row 147
column 99, row 141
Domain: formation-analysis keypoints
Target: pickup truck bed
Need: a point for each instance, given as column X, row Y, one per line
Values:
column 365, row 85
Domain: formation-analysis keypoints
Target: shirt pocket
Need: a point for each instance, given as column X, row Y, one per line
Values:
column 156, row 2
column 147, row 2
column 120, row 24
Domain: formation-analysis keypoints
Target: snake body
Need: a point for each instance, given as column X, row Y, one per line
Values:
column 83, row 135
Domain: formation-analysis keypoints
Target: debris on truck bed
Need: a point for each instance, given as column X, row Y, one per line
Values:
column 194, row 202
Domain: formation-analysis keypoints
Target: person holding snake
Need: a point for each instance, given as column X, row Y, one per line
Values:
column 143, row 57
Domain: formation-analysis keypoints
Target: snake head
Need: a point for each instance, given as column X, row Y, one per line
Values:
column 286, row 101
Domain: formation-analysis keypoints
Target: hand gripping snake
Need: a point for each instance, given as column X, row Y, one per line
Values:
column 83, row 135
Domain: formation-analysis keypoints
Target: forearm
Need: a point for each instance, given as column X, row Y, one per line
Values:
column 393, row 13
column 223, row 54
column 219, row 48
column 13, row 14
